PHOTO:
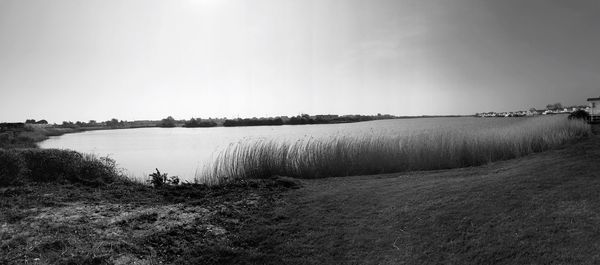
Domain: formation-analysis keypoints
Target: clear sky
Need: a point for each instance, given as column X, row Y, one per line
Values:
column 147, row 59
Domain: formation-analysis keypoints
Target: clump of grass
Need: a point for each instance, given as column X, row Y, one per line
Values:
column 383, row 153
column 53, row 165
column 12, row 167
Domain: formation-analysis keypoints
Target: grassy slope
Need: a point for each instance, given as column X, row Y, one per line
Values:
column 540, row 209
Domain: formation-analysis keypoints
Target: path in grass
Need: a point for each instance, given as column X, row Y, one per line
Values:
column 542, row 209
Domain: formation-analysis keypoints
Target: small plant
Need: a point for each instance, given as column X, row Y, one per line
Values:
column 174, row 180
column 158, row 179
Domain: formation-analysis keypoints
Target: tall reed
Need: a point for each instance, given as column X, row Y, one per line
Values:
column 377, row 153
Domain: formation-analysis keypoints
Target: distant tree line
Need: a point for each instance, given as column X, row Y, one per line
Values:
column 167, row 122
column 303, row 119
column 32, row 121
column 253, row 122
column 321, row 119
column 114, row 123
column 170, row 122
column 81, row 124
column 195, row 123
column 555, row 106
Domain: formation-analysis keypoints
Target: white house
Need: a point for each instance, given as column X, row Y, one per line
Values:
column 594, row 109
column 594, row 106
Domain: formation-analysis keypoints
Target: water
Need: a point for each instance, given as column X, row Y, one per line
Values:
column 183, row 151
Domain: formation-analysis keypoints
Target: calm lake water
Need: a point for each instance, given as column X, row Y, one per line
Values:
column 183, row 151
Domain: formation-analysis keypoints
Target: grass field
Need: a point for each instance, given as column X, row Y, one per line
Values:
column 539, row 209
column 459, row 145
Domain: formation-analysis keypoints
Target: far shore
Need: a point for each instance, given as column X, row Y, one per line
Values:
column 27, row 135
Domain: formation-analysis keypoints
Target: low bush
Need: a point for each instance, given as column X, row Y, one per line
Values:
column 12, row 167
column 46, row 165
column 52, row 164
column 580, row 115
column 98, row 170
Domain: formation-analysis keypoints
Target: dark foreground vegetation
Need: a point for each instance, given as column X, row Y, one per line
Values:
column 18, row 166
column 62, row 207
column 130, row 223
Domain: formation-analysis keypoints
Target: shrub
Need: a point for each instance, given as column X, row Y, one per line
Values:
column 579, row 115
column 98, row 170
column 64, row 165
column 52, row 164
column 12, row 167
column 158, row 180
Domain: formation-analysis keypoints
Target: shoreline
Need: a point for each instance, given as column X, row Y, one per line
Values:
column 52, row 131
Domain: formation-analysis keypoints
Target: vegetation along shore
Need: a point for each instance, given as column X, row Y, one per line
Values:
column 383, row 153
column 63, row 207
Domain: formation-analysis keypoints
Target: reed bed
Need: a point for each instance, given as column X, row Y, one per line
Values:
column 376, row 153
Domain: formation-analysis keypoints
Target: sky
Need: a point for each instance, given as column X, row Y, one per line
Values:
column 69, row 60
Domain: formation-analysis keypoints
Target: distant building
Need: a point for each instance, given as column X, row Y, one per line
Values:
column 594, row 104
column 594, row 109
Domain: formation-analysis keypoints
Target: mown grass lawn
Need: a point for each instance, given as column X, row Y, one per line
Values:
column 540, row 209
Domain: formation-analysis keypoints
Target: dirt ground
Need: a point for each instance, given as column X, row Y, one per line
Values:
column 51, row 223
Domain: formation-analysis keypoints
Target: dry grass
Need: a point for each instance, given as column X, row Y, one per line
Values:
column 128, row 223
column 378, row 153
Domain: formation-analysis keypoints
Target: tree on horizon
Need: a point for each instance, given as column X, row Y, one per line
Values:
column 167, row 122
